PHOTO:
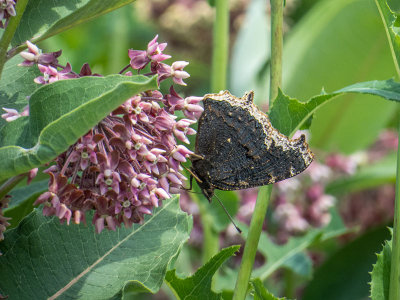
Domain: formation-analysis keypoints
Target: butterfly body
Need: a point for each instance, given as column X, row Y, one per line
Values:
column 237, row 147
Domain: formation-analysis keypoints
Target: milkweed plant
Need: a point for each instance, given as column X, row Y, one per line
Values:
column 106, row 210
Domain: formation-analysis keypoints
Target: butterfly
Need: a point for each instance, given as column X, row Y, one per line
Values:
column 237, row 147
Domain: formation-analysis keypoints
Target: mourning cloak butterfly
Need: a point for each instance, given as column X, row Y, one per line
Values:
column 237, row 147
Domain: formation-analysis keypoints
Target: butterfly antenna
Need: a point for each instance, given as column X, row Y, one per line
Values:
column 228, row 214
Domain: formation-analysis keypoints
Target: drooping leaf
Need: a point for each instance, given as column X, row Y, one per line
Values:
column 72, row 262
column 345, row 275
column 198, row 286
column 289, row 114
column 44, row 18
column 260, row 292
column 60, row 113
column 380, row 275
column 321, row 51
column 391, row 22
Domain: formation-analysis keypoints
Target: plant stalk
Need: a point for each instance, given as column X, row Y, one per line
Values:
column 394, row 287
column 10, row 31
column 250, row 248
column 264, row 194
column 220, row 54
column 276, row 48
column 218, row 82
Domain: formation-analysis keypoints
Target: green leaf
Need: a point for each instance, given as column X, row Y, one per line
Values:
column 289, row 114
column 22, row 199
column 380, row 275
column 344, row 275
column 198, row 286
column 391, row 23
column 49, row 259
column 44, row 18
column 321, row 51
column 60, row 113
column 260, row 292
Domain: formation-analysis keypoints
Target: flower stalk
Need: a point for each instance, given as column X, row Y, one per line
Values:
column 264, row 194
column 220, row 46
column 394, row 287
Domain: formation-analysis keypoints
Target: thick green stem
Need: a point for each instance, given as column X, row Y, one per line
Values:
column 276, row 47
column 264, row 194
column 9, row 32
column 250, row 248
column 220, row 54
column 394, row 288
column 218, row 83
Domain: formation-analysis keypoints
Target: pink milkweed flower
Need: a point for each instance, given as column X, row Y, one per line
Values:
column 12, row 114
column 34, row 55
column 140, row 58
column 51, row 74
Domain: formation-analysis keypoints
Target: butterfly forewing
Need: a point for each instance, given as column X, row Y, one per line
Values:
column 240, row 149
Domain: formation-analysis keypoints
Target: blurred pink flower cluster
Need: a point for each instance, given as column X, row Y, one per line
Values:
column 7, row 10
column 130, row 161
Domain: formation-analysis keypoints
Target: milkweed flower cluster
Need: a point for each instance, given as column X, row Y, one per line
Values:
column 129, row 162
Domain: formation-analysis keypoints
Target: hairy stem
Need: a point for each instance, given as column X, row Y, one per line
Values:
column 394, row 288
column 276, row 48
column 220, row 46
column 10, row 31
column 251, row 245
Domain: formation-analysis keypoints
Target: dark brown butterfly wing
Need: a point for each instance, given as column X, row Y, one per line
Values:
column 241, row 149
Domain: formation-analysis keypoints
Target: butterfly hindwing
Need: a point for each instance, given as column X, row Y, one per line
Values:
column 241, row 149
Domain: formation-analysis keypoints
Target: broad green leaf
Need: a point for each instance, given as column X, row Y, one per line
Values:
column 198, row 286
column 281, row 256
column 380, row 275
column 60, row 113
column 391, row 22
column 44, row 18
column 251, row 50
column 260, row 292
column 321, row 51
column 22, row 199
column 289, row 114
column 277, row 255
column 73, row 262
column 345, row 275
column 368, row 176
